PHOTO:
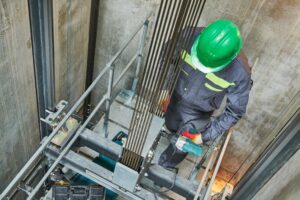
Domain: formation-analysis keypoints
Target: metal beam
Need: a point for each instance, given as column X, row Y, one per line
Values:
column 159, row 175
column 94, row 13
column 41, row 21
column 100, row 144
column 272, row 159
column 168, row 179
column 95, row 172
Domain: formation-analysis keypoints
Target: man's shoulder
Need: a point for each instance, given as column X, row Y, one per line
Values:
column 241, row 67
column 243, row 60
column 238, row 71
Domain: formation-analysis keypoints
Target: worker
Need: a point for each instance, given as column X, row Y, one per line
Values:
column 213, row 67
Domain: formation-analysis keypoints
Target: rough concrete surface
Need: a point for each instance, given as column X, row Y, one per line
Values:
column 270, row 31
column 19, row 130
column 284, row 185
column 71, row 32
column 118, row 19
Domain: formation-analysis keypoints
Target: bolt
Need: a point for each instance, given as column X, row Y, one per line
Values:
column 138, row 188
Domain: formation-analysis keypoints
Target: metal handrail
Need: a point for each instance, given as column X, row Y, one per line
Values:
column 212, row 180
column 48, row 139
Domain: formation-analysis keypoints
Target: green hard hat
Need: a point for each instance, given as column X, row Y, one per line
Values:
column 216, row 46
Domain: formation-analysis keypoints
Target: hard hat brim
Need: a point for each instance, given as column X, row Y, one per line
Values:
column 197, row 63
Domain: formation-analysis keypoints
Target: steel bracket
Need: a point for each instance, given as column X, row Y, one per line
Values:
column 125, row 177
column 51, row 118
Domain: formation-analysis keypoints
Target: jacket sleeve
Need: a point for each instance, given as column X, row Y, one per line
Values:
column 237, row 100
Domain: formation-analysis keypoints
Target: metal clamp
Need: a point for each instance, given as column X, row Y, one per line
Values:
column 52, row 117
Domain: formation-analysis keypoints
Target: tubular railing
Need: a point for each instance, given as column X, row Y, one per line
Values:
column 107, row 98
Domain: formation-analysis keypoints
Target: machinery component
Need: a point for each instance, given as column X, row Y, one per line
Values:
column 96, row 173
column 78, row 192
column 52, row 117
column 64, row 135
column 194, row 135
column 186, row 145
column 102, row 176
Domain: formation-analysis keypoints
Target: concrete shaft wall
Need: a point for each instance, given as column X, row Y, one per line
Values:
column 284, row 184
column 71, row 31
column 270, row 31
column 118, row 19
column 19, row 130
column 271, row 35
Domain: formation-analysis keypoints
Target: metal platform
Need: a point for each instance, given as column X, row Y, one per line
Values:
column 121, row 112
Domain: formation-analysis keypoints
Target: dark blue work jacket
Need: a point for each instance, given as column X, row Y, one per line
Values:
column 198, row 94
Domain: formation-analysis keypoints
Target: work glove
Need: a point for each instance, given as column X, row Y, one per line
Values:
column 193, row 135
column 164, row 101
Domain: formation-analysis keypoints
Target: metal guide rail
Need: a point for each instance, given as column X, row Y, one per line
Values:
column 57, row 127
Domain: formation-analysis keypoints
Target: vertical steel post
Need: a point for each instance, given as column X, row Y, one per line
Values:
column 212, row 180
column 204, row 176
column 94, row 14
column 140, row 57
column 41, row 24
column 108, row 101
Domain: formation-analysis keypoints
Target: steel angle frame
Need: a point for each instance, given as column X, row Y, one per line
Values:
column 155, row 173
column 94, row 14
column 95, row 172
column 73, row 109
column 41, row 25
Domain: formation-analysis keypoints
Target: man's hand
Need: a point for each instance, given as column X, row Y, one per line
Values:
column 193, row 135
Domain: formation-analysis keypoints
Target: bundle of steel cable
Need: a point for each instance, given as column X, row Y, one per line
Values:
column 167, row 41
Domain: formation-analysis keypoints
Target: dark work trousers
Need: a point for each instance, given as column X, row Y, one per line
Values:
column 178, row 118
